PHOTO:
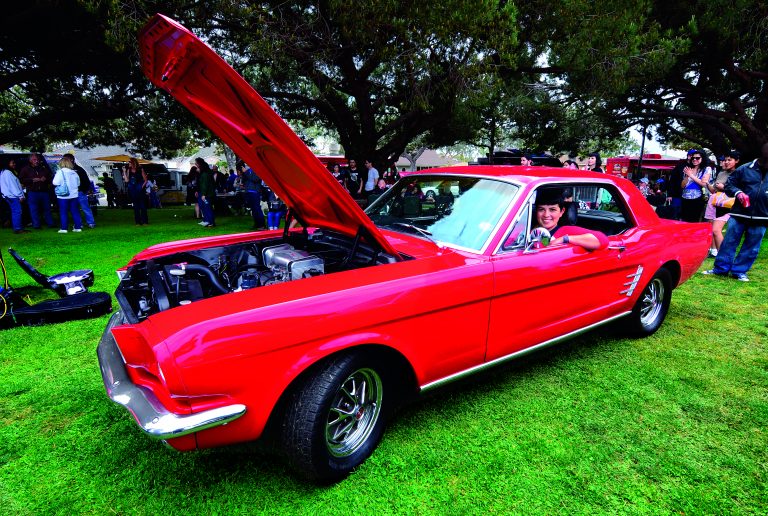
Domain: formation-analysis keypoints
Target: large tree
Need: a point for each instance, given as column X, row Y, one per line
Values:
column 695, row 71
column 575, row 73
column 65, row 77
column 379, row 74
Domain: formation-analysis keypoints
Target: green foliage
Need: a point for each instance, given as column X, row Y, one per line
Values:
column 695, row 72
column 378, row 74
column 674, row 423
column 385, row 76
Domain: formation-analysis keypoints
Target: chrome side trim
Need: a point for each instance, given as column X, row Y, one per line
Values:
column 517, row 354
column 632, row 285
column 152, row 417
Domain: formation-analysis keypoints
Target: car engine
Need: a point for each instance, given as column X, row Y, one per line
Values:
column 178, row 279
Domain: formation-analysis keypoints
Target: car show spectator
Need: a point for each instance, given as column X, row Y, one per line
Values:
column 252, row 189
column 674, row 188
column 193, row 178
column 749, row 218
column 67, row 183
column 371, row 177
column 391, row 175
column 10, row 188
column 153, row 199
column 526, row 161
column 354, row 180
column 717, row 189
column 134, row 177
column 595, row 163
column 336, row 173
column 36, row 178
column 644, row 187
column 110, row 187
column 695, row 179
column 84, row 190
column 656, row 198
column 206, row 193
column 276, row 211
column 569, row 163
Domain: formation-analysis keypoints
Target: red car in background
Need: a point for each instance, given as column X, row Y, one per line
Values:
column 314, row 335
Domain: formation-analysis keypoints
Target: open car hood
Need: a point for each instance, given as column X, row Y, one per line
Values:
column 175, row 60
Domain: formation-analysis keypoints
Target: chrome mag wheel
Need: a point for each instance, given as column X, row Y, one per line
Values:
column 652, row 302
column 354, row 412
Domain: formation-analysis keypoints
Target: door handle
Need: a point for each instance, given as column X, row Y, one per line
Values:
column 619, row 247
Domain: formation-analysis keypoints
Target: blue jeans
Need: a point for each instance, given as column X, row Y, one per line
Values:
column 83, row 200
column 139, row 201
column 39, row 201
column 207, row 210
column 73, row 207
column 273, row 218
column 253, row 201
column 727, row 260
column 15, row 204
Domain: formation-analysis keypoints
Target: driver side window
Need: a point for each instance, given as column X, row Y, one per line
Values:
column 517, row 237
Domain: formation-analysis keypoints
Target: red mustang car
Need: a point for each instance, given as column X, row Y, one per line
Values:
column 314, row 335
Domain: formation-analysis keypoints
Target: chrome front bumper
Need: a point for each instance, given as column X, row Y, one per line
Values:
column 150, row 414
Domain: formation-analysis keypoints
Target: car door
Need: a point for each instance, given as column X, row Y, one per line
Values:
column 541, row 294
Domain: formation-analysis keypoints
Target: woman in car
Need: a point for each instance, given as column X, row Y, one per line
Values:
column 550, row 208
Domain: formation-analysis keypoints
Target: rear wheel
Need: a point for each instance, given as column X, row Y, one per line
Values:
column 652, row 306
column 335, row 419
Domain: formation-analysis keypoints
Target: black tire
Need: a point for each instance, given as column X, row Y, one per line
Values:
column 652, row 306
column 335, row 418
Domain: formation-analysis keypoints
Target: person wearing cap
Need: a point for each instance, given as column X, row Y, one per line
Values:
column 729, row 162
column 550, row 207
column 749, row 218
column 644, row 188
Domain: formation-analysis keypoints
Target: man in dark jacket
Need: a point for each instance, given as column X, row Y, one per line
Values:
column 749, row 218
column 36, row 178
column 207, row 193
column 252, row 187
column 83, row 190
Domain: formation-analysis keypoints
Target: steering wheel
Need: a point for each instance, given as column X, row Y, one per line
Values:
column 540, row 235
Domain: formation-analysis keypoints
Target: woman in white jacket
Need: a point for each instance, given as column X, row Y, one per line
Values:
column 68, row 202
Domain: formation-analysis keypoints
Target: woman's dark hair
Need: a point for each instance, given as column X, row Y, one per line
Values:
column 550, row 196
column 598, row 159
column 202, row 165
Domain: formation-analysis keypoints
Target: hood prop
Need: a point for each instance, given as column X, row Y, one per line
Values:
column 363, row 233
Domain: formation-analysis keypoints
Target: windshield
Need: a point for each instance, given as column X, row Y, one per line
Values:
column 456, row 210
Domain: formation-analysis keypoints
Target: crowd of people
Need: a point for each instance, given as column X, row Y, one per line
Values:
column 364, row 185
column 718, row 192
column 30, row 192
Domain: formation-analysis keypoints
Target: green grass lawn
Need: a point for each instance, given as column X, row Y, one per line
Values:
column 675, row 423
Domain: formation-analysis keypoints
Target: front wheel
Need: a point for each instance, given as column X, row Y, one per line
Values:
column 335, row 419
column 652, row 306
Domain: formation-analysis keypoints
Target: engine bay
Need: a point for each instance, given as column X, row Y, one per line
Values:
column 178, row 279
